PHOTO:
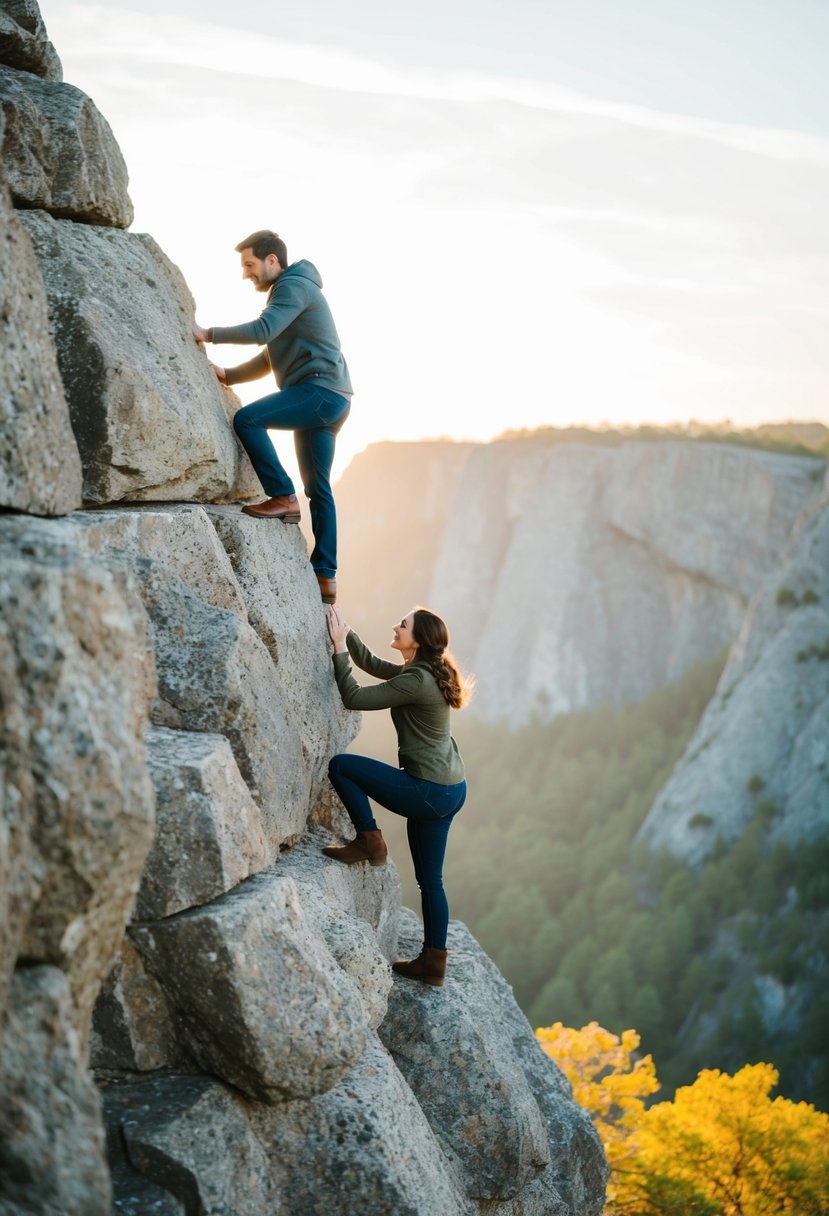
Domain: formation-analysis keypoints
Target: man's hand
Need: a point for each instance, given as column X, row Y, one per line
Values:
column 200, row 334
column 220, row 373
column 337, row 630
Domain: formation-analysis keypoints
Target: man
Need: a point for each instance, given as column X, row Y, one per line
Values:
column 302, row 349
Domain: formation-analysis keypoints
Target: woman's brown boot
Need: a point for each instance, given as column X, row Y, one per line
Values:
column 366, row 846
column 429, row 966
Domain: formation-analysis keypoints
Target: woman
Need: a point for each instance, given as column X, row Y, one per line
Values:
column 429, row 787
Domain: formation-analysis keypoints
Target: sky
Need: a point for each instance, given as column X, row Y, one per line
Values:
column 527, row 213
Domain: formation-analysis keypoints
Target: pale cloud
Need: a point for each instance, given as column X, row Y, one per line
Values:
column 498, row 252
column 105, row 33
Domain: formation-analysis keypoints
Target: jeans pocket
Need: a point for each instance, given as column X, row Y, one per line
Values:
column 331, row 408
column 444, row 800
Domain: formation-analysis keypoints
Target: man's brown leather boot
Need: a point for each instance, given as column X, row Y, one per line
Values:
column 366, row 846
column 429, row 966
column 284, row 507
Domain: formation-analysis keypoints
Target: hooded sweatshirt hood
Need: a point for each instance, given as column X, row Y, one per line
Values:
column 302, row 269
column 297, row 327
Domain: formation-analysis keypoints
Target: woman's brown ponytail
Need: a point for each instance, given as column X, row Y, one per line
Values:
column 432, row 637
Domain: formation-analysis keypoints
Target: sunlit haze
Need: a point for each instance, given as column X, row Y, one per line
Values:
column 520, row 219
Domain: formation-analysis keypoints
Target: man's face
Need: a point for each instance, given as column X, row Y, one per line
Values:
column 262, row 272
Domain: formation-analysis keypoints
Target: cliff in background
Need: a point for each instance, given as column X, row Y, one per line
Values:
column 166, row 915
column 393, row 507
column 576, row 575
column 763, row 742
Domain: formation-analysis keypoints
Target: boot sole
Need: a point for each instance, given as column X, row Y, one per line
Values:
column 434, row 981
column 358, row 861
column 285, row 519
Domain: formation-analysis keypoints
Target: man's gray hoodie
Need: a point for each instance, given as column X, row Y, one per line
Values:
column 298, row 333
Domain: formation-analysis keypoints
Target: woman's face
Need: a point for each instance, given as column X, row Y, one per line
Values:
column 402, row 638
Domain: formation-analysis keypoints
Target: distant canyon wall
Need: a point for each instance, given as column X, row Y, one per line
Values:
column 571, row 575
column 762, row 747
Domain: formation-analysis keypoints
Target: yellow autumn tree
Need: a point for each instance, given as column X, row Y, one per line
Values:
column 722, row 1147
column 609, row 1083
column 725, row 1147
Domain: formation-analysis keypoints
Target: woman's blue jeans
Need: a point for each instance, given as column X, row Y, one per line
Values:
column 315, row 415
column 429, row 809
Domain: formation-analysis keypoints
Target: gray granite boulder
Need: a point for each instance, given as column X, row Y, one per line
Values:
column 51, row 1136
column 133, row 1028
column 180, row 538
column 21, row 873
column 363, row 1147
column 74, row 713
column 209, row 832
column 24, row 43
column 150, row 418
column 40, row 468
column 59, row 153
column 353, row 909
column 283, row 606
column 507, row 1121
column 259, row 998
column 183, row 1144
column 214, row 673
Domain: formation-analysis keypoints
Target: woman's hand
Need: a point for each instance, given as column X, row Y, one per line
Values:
column 337, row 630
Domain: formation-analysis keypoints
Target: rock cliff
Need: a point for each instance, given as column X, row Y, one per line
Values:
column 580, row 575
column 763, row 742
column 572, row 575
column 197, row 1012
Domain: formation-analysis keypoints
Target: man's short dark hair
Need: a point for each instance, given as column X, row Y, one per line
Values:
column 262, row 243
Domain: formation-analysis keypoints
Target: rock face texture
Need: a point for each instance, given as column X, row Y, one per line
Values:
column 40, row 469
column 150, row 418
column 766, row 732
column 205, row 813
column 24, row 43
column 59, row 152
column 578, row 575
column 167, row 715
column 77, row 823
column 52, row 1154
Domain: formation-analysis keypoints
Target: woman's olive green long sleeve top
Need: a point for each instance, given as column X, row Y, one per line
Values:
column 425, row 747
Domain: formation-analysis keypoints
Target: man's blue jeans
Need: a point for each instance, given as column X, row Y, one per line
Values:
column 429, row 809
column 315, row 415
